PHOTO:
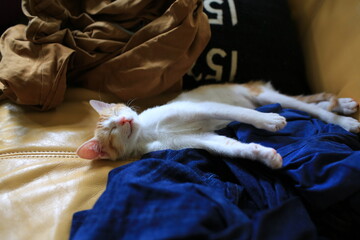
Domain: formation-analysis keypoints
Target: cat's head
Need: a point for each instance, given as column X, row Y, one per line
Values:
column 115, row 134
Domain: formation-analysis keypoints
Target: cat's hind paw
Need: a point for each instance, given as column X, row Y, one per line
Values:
column 350, row 124
column 346, row 106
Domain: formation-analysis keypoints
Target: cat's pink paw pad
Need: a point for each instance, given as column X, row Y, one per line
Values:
column 275, row 160
column 347, row 106
column 268, row 156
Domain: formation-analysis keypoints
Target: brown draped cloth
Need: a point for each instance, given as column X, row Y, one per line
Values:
column 131, row 48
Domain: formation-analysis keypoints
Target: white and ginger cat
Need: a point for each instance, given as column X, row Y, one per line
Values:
column 189, row 121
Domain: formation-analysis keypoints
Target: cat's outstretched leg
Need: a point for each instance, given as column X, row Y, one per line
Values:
column 212, row 110
column 348, row 123
column 232, row 148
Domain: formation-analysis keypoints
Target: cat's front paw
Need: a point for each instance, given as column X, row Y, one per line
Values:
column 350, row 124
column 268, row 156
column 271, row 122
column 346, row 106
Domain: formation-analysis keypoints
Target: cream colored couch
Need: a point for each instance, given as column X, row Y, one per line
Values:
column 43, row 183
column 330, row 35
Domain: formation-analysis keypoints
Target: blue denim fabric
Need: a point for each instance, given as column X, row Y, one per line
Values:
column 191, row 194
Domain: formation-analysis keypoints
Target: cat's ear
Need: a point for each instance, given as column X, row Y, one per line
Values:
column 99, row 106
column 91, row 150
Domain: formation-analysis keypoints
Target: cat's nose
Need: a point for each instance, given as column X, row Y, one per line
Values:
column 125, row 120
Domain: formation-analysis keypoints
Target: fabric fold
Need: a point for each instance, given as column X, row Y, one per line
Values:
column 37, row 74
column 133, row 49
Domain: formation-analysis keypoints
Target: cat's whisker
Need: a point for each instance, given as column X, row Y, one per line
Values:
column 129, row 102
column 134, row 108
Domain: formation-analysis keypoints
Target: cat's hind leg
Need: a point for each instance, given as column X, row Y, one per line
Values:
column 331, row 103
column 348, row 123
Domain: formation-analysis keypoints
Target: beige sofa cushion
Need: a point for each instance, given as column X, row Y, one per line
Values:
column 42, row 182
column 330, row 33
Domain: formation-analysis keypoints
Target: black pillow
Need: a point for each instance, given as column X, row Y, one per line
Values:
column 251, row 40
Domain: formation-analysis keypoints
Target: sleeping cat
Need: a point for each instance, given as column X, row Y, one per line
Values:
column 189, row 121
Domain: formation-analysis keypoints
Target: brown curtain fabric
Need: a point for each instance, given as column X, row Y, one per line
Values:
column 131, row 48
